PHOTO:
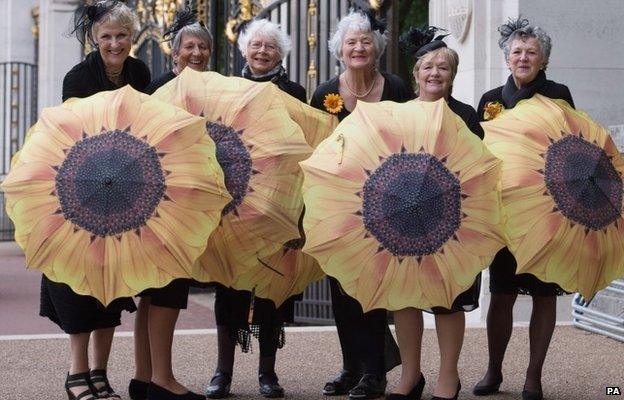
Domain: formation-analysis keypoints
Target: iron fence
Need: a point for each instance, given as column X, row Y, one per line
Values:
column 18, row 102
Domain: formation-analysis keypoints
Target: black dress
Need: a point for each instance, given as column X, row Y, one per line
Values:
column 503, row 278
column 72, row 312
column 160, row 81
column 366, row 341
column 232, row 307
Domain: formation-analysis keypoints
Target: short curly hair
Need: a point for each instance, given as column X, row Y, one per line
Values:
column 119, row 13
column 268, row 29
column 356, row 21
column 524, row 32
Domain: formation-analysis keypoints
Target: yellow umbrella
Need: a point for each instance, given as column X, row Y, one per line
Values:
column 402, row 205
column 562, row 194
column 115, row 193
column 258, row 147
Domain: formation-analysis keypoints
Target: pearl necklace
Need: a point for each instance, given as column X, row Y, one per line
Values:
column 359, row 96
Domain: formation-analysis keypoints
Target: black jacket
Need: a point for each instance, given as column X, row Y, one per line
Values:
column 467, row 114
column 280, row 78
column 160, row 81
column 89, row 77
column 509, row 95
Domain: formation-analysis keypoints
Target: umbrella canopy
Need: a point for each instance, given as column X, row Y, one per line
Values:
column 402, row 205
column 562, row 194
column 115, row 193
column 258, row 147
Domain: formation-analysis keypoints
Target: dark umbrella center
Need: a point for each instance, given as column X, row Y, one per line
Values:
column 412, row 204
column 583, row 182
column 234, row 159
column 110, row 183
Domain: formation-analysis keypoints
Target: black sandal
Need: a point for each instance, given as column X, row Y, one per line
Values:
column 80, row 380
column 106, row 391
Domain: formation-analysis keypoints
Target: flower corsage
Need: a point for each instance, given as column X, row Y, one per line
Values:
column 492, row 109
column 333, row 103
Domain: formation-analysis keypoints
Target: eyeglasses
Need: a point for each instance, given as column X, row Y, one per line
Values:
column 267, row 46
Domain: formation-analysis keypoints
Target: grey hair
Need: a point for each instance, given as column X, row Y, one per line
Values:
column 263, row 27
column 355, row 21
column 197, row 30
column 525, row 33
column 119, row 14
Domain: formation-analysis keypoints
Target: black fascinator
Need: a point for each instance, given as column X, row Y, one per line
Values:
column 419, row 41
column 376, row 25
column 87, row 15
column 506, row 30
column 183, row 18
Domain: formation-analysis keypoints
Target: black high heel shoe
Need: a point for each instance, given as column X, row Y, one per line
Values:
column 155, row 392
column 80, row 380
column 219, row 386
column 452, row 398
column 105, row 391
column 486, row 390
column 342, row 384
column 137, row 390
column 269, row 385
column 528, row 395
column 414, row 394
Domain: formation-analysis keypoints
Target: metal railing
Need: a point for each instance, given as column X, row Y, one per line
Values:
column 18, row 105
column 592, row 319
column 315, row 307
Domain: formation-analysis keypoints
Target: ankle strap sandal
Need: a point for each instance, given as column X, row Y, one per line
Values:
column 80, row 380
column 100, row 383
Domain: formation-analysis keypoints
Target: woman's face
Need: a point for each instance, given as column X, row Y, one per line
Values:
column 525, row 60
column 358, row 50
column 114, row 43
column 262, row 54
column 434, row 78
column 193, row 52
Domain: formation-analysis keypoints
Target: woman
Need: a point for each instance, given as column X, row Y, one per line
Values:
column 434, row 72
column 158, row 309
column 263, row 45
column 109, row 26
column 527, row 50
column 358, row 44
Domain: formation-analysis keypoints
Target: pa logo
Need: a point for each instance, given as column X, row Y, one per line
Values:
column 613, row 391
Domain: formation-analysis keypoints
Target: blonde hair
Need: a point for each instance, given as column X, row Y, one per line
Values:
column 119, row 13
column 449, row 55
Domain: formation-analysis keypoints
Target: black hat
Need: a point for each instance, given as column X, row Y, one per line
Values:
column 419, row 41
column 376, row 25
column 183, row 18
column 506, row 30
column 87, row 15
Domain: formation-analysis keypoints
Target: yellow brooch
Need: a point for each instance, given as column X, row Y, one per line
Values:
column 492, row 109
column 333, row 103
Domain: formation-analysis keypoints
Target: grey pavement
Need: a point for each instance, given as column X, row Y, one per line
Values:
column 580, row 365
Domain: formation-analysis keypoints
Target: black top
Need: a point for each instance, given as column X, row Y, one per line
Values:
column 395, row 89
column 89, row 77
column 280, row 78
column 509, row 95
column 160, row 81
column 467, row 114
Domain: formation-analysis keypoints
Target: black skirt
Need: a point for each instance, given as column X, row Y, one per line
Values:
column 75, row 313
column 503, row 279
column 173, row 295
column 465, row 302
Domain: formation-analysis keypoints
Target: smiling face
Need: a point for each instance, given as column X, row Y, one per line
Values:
column 434, row 77
column 114, row 43
column 525, row 60
column 193, row 52
column 262, row 54
column 358, row 50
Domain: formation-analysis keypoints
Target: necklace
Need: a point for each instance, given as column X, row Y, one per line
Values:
column 359, row 96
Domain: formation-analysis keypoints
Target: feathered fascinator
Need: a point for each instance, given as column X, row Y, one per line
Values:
column 87, row 15
column 183, row 18
column 376, row 25
column 419, row 41
column 506, row 30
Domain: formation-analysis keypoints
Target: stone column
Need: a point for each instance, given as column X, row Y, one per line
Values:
column 58, row 52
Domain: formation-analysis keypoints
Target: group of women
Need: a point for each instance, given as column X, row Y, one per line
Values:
column 368, row 347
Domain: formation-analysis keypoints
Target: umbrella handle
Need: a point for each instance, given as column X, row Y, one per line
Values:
column 341, row 139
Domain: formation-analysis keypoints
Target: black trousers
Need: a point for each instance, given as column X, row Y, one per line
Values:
column 366, row 341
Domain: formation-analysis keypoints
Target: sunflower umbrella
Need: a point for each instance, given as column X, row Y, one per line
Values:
column 115, row 193
column 258, row 147
column 315, row 124
column 562, row 194
column 402, row 205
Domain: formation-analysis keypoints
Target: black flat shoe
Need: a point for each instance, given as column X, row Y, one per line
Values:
column 527, row 395
column 414, row 394
column 452, row 398
column 137, row 390
column 219, row 386
column 155, row 392
column 342, row 384
column 371, row 386
column 487, row 390
column 100, row 382
column 269, row 386
column 80, row 380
